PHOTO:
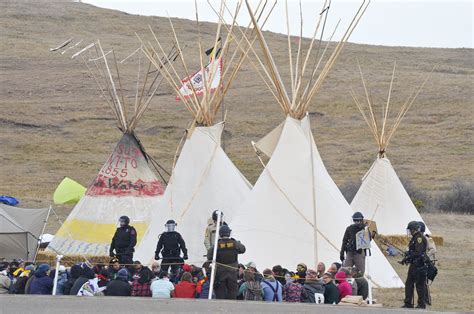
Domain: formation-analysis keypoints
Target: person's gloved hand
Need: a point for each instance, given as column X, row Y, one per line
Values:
column 341, row 257
column 157, row 257
column 185, row 257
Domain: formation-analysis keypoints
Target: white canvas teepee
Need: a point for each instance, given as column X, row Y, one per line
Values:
column 295, row 212
column 125, row 185
column 204, row 179
column 381, row 196
column 383, row 199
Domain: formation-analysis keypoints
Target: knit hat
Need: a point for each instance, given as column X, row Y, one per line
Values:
column 30, row 268
column 122, row 274
column 62, row 268
column 42, row 268
column 251, row 264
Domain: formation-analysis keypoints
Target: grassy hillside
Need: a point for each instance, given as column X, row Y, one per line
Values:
column 54, row 123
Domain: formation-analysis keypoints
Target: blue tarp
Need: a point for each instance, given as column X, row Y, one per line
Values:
column 8, row 200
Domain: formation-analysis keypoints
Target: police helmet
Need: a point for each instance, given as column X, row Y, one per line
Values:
column 422, row 226
column 171, row 222
column 170, row 225
column 214, row 214
column 413, row 226
column 124, row 219
column 224, row 231
column 357, row 216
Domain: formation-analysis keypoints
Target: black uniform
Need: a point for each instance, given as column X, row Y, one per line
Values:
column 123, row 242
column 226, row 277
column 170, row 244
column 416, row 271
column 353, row 256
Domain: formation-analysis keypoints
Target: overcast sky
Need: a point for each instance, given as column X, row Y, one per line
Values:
column 414, row 23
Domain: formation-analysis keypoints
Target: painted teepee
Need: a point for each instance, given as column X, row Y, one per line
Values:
column 381, row 196
column 204, row 179
column 298, row 213
column 125, row 185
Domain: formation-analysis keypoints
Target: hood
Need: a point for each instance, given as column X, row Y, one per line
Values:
column 40, row 273
column 76, row 271
column 341, row 276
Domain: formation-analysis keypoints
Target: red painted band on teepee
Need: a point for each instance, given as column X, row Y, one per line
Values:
column 126, row 173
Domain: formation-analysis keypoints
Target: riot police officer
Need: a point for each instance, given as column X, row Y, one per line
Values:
column 170, row 245
column 123, row 242
column 353, row 256
column 226, row 274
column 415, row 257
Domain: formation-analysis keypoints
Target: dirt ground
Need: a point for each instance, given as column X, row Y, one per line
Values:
column 54, row 124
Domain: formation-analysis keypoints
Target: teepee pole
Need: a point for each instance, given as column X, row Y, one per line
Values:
column 386, row 109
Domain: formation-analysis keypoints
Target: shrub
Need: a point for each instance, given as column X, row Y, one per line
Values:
column 421, row 199
column 459, row 199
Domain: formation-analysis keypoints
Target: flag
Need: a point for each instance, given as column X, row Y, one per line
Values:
column 197, row 80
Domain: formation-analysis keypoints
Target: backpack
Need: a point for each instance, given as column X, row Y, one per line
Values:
column 253, row 292
column 275, row 290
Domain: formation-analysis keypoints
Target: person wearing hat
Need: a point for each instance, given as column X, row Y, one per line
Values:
column 226, row 274
column 353, row 256
column 415, row 257
column 123, row 242
column 22, row 279
column 41, row 283
column 301, row 269
column 119, row 286
column 170, row 245
column 252, row 267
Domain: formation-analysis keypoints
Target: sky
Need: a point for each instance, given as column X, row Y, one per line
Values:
column 411, row 23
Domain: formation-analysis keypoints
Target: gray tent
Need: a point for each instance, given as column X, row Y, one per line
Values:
column 20, row 229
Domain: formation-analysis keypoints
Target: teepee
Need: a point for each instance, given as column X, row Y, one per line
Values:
column 381, row 196
column 125, row 185
column 298, row 213
column 204, row 179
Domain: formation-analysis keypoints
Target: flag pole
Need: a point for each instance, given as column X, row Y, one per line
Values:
column 56, row 273
column 214, row 255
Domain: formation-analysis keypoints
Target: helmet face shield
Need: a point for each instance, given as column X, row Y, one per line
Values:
column 170, row 227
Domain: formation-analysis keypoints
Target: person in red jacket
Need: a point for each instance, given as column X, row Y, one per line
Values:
column 185, row 288
column 343, row 286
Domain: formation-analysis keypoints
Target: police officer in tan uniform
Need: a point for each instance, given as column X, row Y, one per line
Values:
column 211, row 229
column 228, row 250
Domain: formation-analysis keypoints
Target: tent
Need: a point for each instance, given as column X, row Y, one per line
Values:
column 125, row 185
column 381, row 196
column 68, row 192
column 297, row 212
column 203, row 179
column 20, row 230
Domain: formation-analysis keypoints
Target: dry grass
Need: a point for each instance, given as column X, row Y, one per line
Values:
column 452, row 289
column 54, row 124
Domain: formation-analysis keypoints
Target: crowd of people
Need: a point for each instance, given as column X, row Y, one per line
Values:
column 173, row 278
column 188, row 281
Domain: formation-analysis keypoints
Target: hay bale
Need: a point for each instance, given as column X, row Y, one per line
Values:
column 402, row 241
